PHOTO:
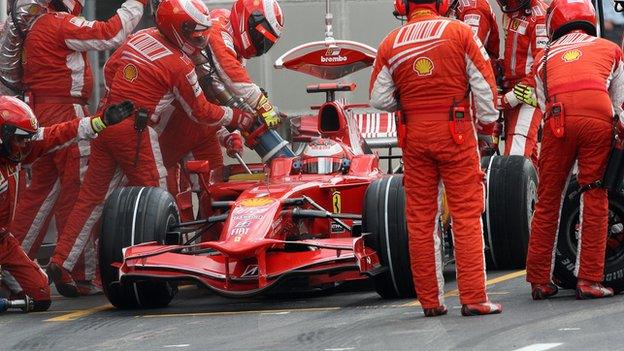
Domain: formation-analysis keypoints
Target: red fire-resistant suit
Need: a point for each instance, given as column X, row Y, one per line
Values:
column 586, row 74
column 525, row 37
column 20, row 273
column 153, row 73
column 59, row 82
column 430, row 63
column 479, row 16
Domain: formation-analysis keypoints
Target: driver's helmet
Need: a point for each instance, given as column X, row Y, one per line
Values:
column 323, row 156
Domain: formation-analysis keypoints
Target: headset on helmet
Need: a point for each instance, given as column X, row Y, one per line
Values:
column 509, row 6
column 401, row 7
column 564, row 16
column 18, row 126
column 184, row 23
column 618, row 5
column 257, row 25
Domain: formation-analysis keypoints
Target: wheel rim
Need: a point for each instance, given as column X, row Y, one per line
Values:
column 614, row 254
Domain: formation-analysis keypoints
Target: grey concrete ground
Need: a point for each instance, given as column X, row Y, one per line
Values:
column 352, row 319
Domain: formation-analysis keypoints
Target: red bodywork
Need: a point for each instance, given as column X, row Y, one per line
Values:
column 264, row 241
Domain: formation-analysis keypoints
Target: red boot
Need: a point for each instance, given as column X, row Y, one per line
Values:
column 480, row 309
column 63, row 281
column 435, row 312
column 543, row 291
column 587, row 289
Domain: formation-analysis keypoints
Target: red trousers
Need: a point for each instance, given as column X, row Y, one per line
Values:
column 521, row 126
column 113, row 155
column 434, row 163
column 55, row 182
column 587, row 140
column 20, row 273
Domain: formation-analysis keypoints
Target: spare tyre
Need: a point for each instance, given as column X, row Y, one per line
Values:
column 132, row 216
column 567, row 240
column 384, row 220
column 511, row 194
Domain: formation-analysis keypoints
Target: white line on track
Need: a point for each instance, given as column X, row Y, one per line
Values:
column 341, row 349
column 569, row 329
column 540, row 347
column 176, row 346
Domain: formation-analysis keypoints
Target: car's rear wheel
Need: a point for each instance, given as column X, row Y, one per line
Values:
column 511, row 195
column 384, row 219
column 132, row 216
column 567, row 240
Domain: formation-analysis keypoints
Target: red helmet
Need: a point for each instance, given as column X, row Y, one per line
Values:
column 217, row 14
column 18, row 126
column 564, row 16
column 402, row 7
column 509, row 6
column 257, row 25
column 323, row 156
column 72, row 6
column 185, row 23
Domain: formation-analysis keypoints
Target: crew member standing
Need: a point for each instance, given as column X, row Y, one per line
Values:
column 579, row 85
column 58, row 82
column 479, row 16
column 525, row 36
column 425, row 69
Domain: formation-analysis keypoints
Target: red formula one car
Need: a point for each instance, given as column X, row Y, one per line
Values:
column 308, row 221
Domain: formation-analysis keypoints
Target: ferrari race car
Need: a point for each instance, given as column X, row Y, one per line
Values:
column 309, row 221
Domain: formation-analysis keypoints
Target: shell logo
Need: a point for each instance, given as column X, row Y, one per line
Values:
column 572, row 55
column 256, row 202
column 423, row 66
column 130, row 72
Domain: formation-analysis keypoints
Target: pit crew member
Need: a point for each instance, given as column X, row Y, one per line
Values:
column 59, row 81
column 23, row 142
column 153, row 68
column 479, row 16
column 228, row 48
column 425, row 74
column 579, row 111
column 525, row 36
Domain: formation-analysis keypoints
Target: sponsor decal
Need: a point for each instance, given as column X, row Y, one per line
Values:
column 423, row 66
column 472, row 20
column 518, row 25
column 572, row 55
column 333, row 51
column 33, row 123
column 337, row 228
column 249, row 211
column 333, row 59
column 131, row 72
column 337, row 201
column 247, row 217
column 541, row 42
column 540, row 30
column 243, row 224
column 193, row 81
column 250, row 271
column 257, row 202
column 239, row 232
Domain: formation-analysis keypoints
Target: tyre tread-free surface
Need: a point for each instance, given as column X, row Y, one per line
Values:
column 384, row 219
column 131, row 216
column 511, row 194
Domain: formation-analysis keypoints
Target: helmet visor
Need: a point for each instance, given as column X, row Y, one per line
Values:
column 16, row 143
column 321, row 165
column 262, row 35
column 196, row 34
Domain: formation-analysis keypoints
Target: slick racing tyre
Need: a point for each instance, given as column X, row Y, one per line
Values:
column 132, row 216
column 511, row 194
column 567, row 240
column 384, row 219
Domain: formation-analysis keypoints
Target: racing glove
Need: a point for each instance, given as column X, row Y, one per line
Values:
column 486, row 137
column 525, row 94
column 233, row 143
column 113, row 115
column 242, row 120
column 269, row 114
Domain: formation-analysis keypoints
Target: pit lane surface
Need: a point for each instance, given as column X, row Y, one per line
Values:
column 354, row 318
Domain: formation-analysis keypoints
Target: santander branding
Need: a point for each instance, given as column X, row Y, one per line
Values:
column 333, row 59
